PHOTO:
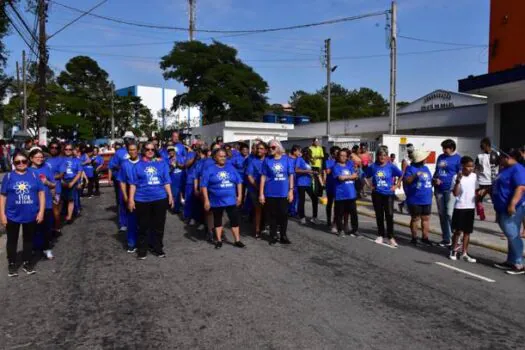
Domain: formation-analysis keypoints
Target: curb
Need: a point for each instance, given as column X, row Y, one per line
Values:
column 434, row 232
column 2, row 243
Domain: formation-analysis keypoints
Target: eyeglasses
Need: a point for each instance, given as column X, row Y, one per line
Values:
column 20, row 161
column 68, row 149
column 53, row 147
column 150, row 149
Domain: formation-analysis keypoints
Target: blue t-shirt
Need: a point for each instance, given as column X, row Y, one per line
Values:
column 176, row 173
column 150, row 177
column 303, row 180
column 383, row 177
column 344, row 190
column 506, row 183
column 45, row 170
column 277, row 172
column 126, row 173
column 254, row 170
column 191, row 171
column 115, row 163
column 70, row 167
column 88, row 168
column 446, row 167
column 221, row 184
column 55, row 163
column 99, row 160
column 239, row 163
column 330, row 182
column 22, row 202
column 419, row 192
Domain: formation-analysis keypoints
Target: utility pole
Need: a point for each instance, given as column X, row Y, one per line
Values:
column 328, row 54
column 393, row 68
column 112, row 111
column 192, row 13
column 42, row 68
column 21, row 111
column 24, row 82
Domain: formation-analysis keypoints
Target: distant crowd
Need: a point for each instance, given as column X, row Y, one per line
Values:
column 202, row 183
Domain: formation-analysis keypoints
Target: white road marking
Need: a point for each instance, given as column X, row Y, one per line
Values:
column 383, row 244
column 465, row 272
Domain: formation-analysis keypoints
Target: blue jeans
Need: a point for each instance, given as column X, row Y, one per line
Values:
column 292, row 207
column 445, row 202
column 132, row 229
column 175, row 191
column 511, row 225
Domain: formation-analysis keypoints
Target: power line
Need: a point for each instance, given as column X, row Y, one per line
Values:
column 435, row 41
column 22, row 20
column 19, row 32
column 78, row 18
column 245, row 31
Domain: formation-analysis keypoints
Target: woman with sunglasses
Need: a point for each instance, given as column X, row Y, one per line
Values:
column 276, row 190
column 253, row 173
column 22, row 203
column 124, row 178
column 304, row 174
column 55, row 162
column 221, row 188
column 71, row 171
column 150, row 196
column 43, row 171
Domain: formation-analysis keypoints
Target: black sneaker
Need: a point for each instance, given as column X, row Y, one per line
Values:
column 445, row 244
column 239, row 244
column 285, row 240
column 516, row 271
column 218, row 245
column 141, row 255
column 12, row 270
column 413, row 241
column 504, row 266
column 28, row 268
column 160, row 253
column 427, row 242
column 273, row 240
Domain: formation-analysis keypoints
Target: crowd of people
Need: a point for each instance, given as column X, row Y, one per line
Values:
column 202, row 183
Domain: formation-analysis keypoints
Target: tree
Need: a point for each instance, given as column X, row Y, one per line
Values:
column 312, row 105
column 218, row 82
column 4, row 79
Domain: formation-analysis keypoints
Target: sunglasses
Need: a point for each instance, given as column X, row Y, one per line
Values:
column 150, row 149
column 68, row 149
column 53, row 147
column 19, row 162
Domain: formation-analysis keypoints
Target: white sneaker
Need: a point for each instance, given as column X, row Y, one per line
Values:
column 467, row 258
column 453, row 255
column 49, row 254
column 123, row 229
column 265, row 231
column 333, row 230
column 393, row 242
column 342, row 234
column 315, row 221
column 302, row 221
column 379, row 240
column 200, row 227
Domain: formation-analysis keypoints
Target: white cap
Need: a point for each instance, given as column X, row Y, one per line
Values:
column 420, row 155
column 128, row 135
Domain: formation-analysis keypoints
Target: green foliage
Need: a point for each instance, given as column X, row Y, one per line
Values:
column 218, row 82
column 345, row 104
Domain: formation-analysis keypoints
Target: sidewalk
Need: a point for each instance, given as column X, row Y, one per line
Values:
column 487, row 234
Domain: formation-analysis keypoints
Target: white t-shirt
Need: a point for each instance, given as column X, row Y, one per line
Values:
column 467, row 191
column 487, row 167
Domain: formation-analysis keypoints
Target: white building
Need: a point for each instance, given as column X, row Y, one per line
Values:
column 158, row 99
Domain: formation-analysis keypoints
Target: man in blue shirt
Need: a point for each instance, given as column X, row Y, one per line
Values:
column 448, row 164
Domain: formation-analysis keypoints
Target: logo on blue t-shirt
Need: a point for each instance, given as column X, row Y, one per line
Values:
column 425, row 181
column 278, row 169
column 151, row 174
column 22, row 190
column 443, row 168
column 69, row 167
column 224, row 176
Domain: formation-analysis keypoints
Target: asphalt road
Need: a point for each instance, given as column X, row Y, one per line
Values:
column 321, row 292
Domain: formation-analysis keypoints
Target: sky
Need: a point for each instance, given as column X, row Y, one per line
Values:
column 287, row 60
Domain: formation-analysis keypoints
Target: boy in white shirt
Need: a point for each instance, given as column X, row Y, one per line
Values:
column 464, row 187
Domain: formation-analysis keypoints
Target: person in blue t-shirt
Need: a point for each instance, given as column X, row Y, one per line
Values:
column 176, row 164
column 221, row 188
column 55, row 161
column 98, row 164
column 276, row 190
column 303, row 179
column 293, row 155
column 124, row 178
column 383, row 174
column 330, row 186
column 345, row 195
column 22, row 203
column 508, row 196
column 418, row 190
column 253, row 173
column 150, row 196
column 43, row 171
column 190, row 199
column 89, row 170
column 448, row 165
column 70, row 170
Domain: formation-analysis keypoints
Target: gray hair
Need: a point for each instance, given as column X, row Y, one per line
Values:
column 276, row 143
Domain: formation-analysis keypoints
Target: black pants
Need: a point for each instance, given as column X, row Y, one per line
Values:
column 342, row 208
column 384, row 209
column 302, row 190
column 45, row 228
column 96, row 181
column 91, row 184
column 151, row 217
column 317, row 184
column 233, row 215
column 329, row 205
column 28, row 231
column 276, row 214
column 116, row 187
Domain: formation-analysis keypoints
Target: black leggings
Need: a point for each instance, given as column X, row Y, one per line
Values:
column 276, row 213
column 45, row 229
column 151, row 217
column 96, row 183
column 233, row 215
column 329, row 206
column 302, row 190
column 345, row 207
column 91, row 183
column 13, row 229
column 384, row 209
